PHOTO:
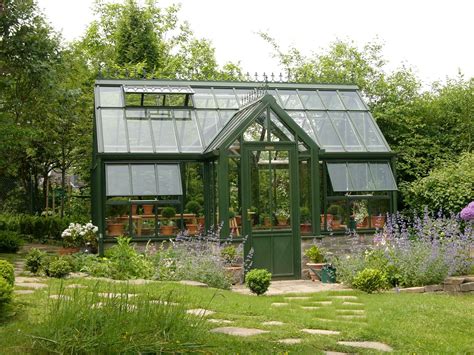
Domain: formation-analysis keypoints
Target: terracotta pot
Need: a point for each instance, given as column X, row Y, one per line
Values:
column 115, row 229
column 329, row 218
column 201, row 220
column 335, row 224
column 314, row 268
column 377, row 221
column 166, row 230
column 363, row 224
column 134, row 210
column 305, row 228
column 235, row 274
column 147, row 231
column 147, row 209
column 68, row 251
column 238, row 218
column 192, row 228
column 267, row 222
column 282, row 221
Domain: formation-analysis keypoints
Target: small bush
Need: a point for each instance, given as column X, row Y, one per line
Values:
column 314, row 254
column 258, row 281
column 229, row 254
column 58, row 267
column 34, row 260
column 370, row 280
column 6, row 292
column 7, row 272
column 10, row 242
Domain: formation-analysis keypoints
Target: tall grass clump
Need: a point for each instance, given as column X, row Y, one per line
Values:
column 414, row 251
column 88, row 323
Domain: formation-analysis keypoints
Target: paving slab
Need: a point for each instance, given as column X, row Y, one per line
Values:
column 290, row 341
column 412, row 290
column 334, row 353
column 273, row 322
column 296, row 298
column 242, row 332
column 293, row 286
column 200, row 312
column 34, row 285
column 310, row 307
column 60, row 297
column 76, row 286
column 26, row 279
column 193, row 283
column 225, row 321
column 24, row 292
column 279, row 304
column 139, row 282
column 367, row 345
column 323, row 303
column 115, row 295
column 344, row 297
column 321, row 331
column 352, row 304
column 349, row 311
column 351, row 316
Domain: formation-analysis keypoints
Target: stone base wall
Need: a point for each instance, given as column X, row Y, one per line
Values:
column 452, row 284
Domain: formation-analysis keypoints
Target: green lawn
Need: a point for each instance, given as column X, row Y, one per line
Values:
column 407, row 322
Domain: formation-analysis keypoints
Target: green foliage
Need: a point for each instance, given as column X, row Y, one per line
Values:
column 193, row 207
column 229, row 253
column 58, row 267
column 6, row 292
column 449, row 187
column 258, row 281
column 305, row 215
column 34, row 260
column 168, row 212
column 314, row 254
column 336, row 210
column 7, row 272
column 370, row 280
column 10, row 242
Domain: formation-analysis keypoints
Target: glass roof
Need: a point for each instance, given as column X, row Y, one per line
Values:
column 335, row 117
column 361, row 176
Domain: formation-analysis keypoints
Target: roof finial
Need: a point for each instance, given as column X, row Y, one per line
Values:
column 256, row 76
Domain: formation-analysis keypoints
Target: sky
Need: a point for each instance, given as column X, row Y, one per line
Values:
column 433, row 37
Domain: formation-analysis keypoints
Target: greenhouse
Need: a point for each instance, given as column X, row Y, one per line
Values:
column 276, row 163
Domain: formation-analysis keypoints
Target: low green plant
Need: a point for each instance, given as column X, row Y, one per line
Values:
column 10, row 242
column 6, row 292
column 314, row 254
column 34, row 260
column 193, row 207
column 370, row 280
column 167, row 214
column 229, row 254
column 258, row 281
column 305, row 215
column 58, row 268
column 7, row 272
column 336, row 210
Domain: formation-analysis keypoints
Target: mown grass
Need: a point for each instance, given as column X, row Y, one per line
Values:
column 407, row 322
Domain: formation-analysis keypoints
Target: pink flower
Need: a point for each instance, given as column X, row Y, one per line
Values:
column 467, row 212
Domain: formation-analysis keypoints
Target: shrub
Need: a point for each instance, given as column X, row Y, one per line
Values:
column 370, row 280
column 10, row 242
column 34, row 260
column 193, row 207
column 305, row 215
column 57, row 267
column 314, row 254
column 229, row 254
column 7, row 272
column 6, row 292
column 258, row 281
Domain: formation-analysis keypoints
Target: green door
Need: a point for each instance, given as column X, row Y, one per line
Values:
column 270, row 201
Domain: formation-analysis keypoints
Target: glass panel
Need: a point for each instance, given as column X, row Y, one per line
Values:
column 169, row 179
column 352, row 100
column 260, row 213
column 279, row 130
column 325, row 132
column 378, row 210
column 331, row 100
column 276, row 96
column 188, row 133
column 361, row 177
column 203, row 98
column 163, row 131
column 242, row 95
column 235, row 216
column 117, row 180
column 113, row 130
column 290, row 100
column 225, row 116
column 110, row 96
column 368, row 131
column 300, row 118
column 225, row 98
column 311, row 100
column 360, row 213
column 339, row 176
column 383, row 177
column 139, row 132
column 143, row 180
column 280, row 185
column 256, row 131
column 305, row 196
column 209, row 123
column 346, row 131
column 337, row 217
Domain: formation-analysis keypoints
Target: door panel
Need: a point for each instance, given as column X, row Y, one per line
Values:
column 283, row 263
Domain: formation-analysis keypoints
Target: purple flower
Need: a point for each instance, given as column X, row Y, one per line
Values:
column 467, row 212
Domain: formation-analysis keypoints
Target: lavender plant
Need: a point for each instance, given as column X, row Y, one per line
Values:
column 414, row 251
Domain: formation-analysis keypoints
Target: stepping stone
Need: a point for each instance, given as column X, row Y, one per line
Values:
column 34, row 285
column 139, row 282
column 324, row 319
column 273, row 322
column 309, row 307
column 220, row 321
column 350, row 311
column 352, row 304
column 334, row 353
column 200, row 312
column 166, row 303
column 290, row 341
column 345, row 297
column 78, row 274
column 323, row 303
column 24, row 292
column 321, row 331
column 193, row 283
column 296, row 298
column 279, row 304
column 241, row 332
column 25, row 279
column 115, row 295
column 76, row 286
column 352, row 316
column 98, row 305
column 367, row 345
column 60, row 297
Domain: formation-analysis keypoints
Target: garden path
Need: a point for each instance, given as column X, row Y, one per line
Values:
column 293, row 286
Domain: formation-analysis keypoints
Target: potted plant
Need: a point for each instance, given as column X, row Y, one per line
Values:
column 336, row 211
column 167, row 226
column 305, row 220
column 360, row 213
column 77, row 236
column 316, row 262
column 282, row 216
column 266, row 221
column 148, row 227
column 230, row 257
column 193, row 207
column 115, row 227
